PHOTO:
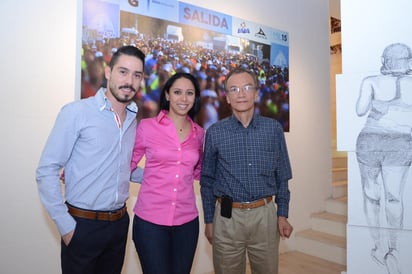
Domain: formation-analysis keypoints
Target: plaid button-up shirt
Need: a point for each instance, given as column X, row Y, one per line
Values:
column 245, row 163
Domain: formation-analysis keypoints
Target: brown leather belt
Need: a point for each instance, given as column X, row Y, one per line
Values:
column 97, row 215
column 249, row 205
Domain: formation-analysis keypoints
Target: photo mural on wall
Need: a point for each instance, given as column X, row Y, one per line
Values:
column 177, row 36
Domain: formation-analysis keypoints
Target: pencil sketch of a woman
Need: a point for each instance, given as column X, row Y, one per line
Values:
column 384, row 150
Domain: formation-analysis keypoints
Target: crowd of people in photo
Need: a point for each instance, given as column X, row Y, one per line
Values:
column 210, row 67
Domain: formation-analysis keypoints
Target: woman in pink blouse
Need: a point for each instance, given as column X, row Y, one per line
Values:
column 166, row 224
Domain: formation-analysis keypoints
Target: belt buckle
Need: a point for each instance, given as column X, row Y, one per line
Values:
column 245, row 205
column 109, row 215
column 113, row 214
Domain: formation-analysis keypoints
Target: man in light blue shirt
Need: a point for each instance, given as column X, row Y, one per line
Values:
column 93, row 139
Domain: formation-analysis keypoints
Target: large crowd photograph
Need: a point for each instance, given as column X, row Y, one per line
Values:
column 179, row 37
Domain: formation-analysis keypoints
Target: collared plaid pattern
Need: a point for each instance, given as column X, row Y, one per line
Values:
column 245, row 163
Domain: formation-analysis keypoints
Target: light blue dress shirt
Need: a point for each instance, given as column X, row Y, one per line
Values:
column 95, row 153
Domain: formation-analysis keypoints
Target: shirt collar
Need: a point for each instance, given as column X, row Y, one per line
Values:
column 104, row 103
column 163, row 118
column 236, row 124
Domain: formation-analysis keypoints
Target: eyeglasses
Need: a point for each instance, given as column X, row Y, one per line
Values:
column 246, row 89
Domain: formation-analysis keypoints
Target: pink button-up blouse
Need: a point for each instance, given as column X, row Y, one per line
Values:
column 166, row 196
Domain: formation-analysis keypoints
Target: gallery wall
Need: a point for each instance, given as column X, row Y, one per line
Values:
column 40, row 73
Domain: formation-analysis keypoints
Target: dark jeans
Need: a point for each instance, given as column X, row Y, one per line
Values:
column 97, row 247
column 165, row 249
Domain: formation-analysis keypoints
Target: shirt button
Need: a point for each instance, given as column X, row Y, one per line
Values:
column 174, row 189
column 178, row 162
column 179, row 149
column 250, row 164
column 177, row 175
column 173, row 204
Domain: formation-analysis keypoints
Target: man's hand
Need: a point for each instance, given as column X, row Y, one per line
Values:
column 285, row 228
column 209, row 232
column 67, row 237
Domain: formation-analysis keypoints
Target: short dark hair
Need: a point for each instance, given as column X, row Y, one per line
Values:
column 165, row 104
column 126, row 50
column 239, row 70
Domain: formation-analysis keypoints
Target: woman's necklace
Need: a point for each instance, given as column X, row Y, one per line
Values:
column 182, row 128
column 182, row 132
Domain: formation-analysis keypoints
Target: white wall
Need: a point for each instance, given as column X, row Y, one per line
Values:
column 39, row 74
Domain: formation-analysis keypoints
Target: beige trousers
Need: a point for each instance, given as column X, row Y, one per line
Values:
column 251, row 232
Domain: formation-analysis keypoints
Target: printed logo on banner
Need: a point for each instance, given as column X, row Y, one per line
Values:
column 243, row 28
column 261, row 34
column 134, row 3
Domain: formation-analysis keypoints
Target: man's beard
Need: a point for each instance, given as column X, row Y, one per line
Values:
column 124, row 99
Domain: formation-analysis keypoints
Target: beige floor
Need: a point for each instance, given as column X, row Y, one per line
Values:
column 300, row 263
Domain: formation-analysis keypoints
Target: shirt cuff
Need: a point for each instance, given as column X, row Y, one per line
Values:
column 137, row 175
column 65, row 224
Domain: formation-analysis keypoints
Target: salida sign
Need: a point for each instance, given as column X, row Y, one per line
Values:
column 204, row 18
